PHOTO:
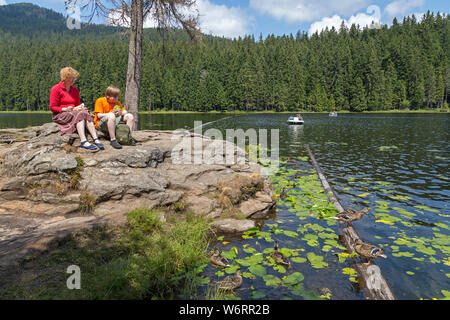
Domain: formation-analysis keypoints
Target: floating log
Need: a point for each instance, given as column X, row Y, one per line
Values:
column 371, row 278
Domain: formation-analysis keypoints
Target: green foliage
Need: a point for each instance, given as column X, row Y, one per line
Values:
column 404, row 66
column 147, row 260
column 87, row 202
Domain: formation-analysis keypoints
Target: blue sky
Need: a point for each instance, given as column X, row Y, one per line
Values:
column 233, row 18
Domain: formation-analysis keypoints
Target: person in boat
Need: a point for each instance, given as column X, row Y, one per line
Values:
column 69, row 113
column 299, row 116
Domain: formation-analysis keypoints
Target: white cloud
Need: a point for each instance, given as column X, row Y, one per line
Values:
column 221, row 20
column 3, row 3
column 401, row 8
column 335, row 21
column 297, row 11
column 218, row 20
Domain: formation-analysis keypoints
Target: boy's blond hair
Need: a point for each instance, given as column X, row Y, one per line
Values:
column 68, row 72
column 112, row 91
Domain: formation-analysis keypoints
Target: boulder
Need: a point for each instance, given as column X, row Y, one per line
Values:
column 46, row 179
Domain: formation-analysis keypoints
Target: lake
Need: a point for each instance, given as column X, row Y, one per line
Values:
column 396, row 164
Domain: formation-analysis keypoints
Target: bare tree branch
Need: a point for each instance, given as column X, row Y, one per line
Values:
column 168, row 14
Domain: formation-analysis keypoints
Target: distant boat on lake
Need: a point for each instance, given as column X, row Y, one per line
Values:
column 333, row 114
column 297, row 119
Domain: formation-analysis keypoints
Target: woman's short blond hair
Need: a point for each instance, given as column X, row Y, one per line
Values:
column 68, row 72
column 112, row 91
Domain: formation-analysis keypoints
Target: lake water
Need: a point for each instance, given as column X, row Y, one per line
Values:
column 396, row 164
column 146, row 121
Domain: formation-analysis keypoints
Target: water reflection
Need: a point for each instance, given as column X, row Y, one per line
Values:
column 295, row 132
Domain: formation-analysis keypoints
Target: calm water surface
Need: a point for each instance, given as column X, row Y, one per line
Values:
column 146, row 121
column 396, row 164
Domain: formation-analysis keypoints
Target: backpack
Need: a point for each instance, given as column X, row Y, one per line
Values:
column 123, row 134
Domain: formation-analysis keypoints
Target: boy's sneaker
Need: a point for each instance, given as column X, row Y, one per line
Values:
column 115, row 144
column 132, row 141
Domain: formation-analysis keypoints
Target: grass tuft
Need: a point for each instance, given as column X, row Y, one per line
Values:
column 148, row 259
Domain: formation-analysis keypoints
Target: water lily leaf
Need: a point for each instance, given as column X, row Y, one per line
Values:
column 325, row 235
column 426, row 250
column 316, row 261
column 342, row 256
column 257, row 270
column 298, row 259
column 434, row 260
column 300, row 291
column 352, row 274
column 400, row 197
column 403, row 254
column 248, row 275
column 293, row 278
column 250, row 233
column 314, row 227
column 279, row 268
column 384, row 183
column 290, row 233
column 305, row 159
column 334, row 243
column 349, row 271
column 425, row 208
column 257, row 294
column 231, row 269
column 384, row 221
column 364, row 194
column 271, row 280
column 446, row 294
column 249, row 250
column 403, row 212
column 288, row 252
column 382, row 204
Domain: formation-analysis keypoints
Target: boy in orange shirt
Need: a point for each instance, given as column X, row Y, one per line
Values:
column 108, row 115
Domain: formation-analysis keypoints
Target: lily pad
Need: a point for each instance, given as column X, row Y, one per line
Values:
column 316, row 261
column 257, row 270
column 425, row 208
column 257, row 294
column 293, row 278
column 271, row 280
column 299, row 259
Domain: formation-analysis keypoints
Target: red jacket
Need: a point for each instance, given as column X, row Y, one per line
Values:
column 61, row 98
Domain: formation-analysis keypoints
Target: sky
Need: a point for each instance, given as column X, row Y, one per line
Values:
column 234, row 18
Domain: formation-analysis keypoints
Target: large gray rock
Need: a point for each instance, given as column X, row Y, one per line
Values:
column 47, row 180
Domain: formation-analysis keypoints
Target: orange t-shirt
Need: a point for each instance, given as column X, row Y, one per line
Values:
column 103, row 106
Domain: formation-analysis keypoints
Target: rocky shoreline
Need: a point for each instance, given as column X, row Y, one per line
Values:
column 50, row 188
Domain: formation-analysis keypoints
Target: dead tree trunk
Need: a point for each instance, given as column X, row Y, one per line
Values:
column 370, row 276
column 133, row 85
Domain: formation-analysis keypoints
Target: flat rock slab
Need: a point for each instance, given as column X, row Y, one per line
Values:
column 229, row 225
column 50, row 187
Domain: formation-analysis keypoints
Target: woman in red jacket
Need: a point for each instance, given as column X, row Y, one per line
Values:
column 68, row 113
